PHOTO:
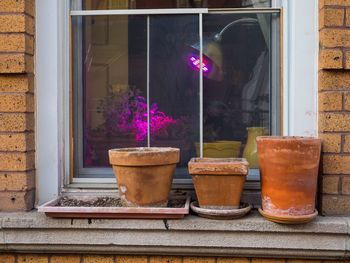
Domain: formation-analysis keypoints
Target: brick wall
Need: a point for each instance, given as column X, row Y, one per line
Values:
column 12, row 258
column 16, row 105
column 334, row 105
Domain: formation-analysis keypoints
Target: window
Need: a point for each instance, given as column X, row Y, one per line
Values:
column 54, row 26
column 138, row 79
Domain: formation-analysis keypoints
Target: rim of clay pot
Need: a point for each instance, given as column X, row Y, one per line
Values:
column 144, row 156
column 218, row 166
column 287, row 138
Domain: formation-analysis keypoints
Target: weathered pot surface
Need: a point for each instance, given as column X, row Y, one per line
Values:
column 144, row 175
column 288, row 169
column 218, row 182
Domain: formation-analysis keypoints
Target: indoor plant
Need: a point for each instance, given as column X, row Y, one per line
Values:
column 218, row 182
column 288, row 170
column 144, row 175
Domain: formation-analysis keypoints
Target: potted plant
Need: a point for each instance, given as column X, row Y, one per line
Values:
column 218, row 182
column 144, row 175
column 124, row 113
column 288, row 169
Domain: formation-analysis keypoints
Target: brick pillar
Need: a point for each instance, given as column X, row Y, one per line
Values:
column 17, row 160
column 334, row 105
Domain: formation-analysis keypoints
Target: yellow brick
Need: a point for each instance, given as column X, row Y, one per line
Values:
column 20, row 102
column 331, row 17
column 347, row 59
column 165, row 259
column 233, row 260
column 335, row 205
column 329, row 122
column 17, row 23
column 330, row 101
column 330, row 142
column 345, row 185
column 337, row 2
column 347, row 101
column 303, row 261
column 65, row 259
column 331, row 59
column 32, row 259
column 17, row 181
column 18, row 201
column 10, row 161
column 347, row 18
column 16, row 122
column 258, row 260
column 98, row 259
column 16, row 63
column 336, row 164
column 6, row 258
column 17, row 43
column 346, row 146
column 18, row 6
column 334, row 80
column 334, row 37
column 17, row 142
column 320, row 4
column 16, row 83
column 198, row 260
column 330, row 184
column 131, row 259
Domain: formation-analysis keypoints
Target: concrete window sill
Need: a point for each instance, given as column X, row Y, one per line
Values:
column 252, row 236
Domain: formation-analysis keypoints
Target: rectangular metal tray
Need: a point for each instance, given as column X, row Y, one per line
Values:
column 51, row 210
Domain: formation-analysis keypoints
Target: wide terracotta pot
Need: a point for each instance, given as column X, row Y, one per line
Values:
column 288, row 170
column 144, row 175
column 218, row 182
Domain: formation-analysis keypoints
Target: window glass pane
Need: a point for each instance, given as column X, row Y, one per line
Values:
column 241, row 83
column 109, row 83
column 174, row 85
column 147, row 4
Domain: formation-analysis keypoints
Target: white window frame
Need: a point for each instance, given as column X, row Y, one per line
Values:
column 300, row 50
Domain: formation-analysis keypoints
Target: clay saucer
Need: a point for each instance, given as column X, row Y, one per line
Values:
column 286, row 219
column 221, row 213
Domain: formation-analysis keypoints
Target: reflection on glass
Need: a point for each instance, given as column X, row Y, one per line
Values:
column 174, row 87
column 110, row 71
column 237, row 88
column 154, row 4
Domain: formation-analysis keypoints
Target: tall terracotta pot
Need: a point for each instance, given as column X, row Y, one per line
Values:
column 144, row 175
column 288, row 169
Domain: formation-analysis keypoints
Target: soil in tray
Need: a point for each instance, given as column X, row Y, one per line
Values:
column 108, row 202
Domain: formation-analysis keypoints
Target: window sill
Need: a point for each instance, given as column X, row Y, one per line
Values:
column 252, row 236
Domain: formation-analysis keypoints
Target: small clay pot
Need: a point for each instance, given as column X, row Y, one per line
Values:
column 288, row 170
column 218, row 182
column 144, row 175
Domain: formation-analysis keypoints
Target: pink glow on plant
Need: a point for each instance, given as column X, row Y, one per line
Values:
column 133, row 118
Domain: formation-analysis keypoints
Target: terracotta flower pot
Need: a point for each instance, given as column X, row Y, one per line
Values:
column 288, row 170
column 218, row 182
column 144, row 175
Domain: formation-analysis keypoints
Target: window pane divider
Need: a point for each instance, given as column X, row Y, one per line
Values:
column 148, row 91
column 140, row 12
column 200, row 85
column 267, row 10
